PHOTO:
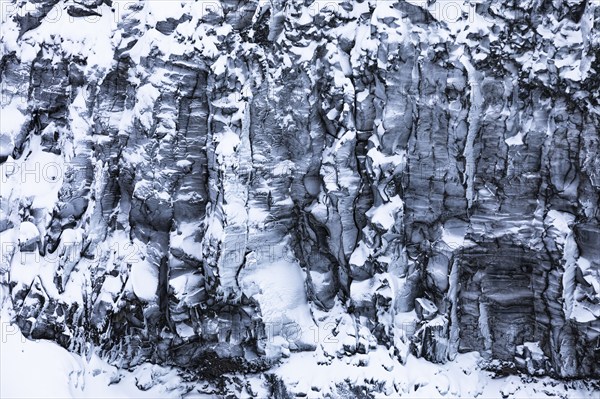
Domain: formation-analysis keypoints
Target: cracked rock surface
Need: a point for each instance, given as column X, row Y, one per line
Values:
column 207, row 187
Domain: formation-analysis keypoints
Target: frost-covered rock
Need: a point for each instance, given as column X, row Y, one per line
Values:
column 217, row 186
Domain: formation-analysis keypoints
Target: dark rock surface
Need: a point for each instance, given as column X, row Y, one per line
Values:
column 191, row 183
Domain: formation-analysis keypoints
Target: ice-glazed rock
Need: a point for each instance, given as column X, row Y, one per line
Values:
column 210, row 184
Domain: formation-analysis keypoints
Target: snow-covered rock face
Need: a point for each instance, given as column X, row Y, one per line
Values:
column 209, row 185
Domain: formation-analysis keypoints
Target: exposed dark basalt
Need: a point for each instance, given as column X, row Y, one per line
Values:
column 395, row 160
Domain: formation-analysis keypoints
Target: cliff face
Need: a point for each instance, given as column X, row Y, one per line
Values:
column 207, row 185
